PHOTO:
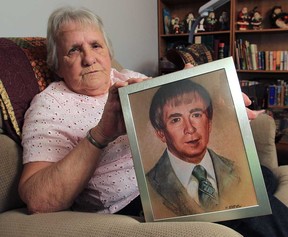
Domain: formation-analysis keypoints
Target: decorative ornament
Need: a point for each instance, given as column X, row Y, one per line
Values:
column 279, row 19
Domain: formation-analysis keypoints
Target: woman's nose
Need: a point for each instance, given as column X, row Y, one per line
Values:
column 89, row 57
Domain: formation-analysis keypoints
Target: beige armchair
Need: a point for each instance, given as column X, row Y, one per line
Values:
column 23, row 73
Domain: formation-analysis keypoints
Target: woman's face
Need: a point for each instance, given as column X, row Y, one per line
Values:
column 84, row 59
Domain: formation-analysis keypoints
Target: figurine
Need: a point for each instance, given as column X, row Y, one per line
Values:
column 243, row 19
column 210, row 22
column 190, row 19
column 200, row 26
column 175, row 23
column 256, row 20
column 279, row 18
column 224, row 21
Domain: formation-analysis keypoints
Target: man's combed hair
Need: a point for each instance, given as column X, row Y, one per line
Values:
column 175, row 93
column 65, row 15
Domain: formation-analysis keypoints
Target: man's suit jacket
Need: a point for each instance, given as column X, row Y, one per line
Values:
column 165, row 182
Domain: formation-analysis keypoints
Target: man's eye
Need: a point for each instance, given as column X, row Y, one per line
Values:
column 197, row 115
column 175, row 120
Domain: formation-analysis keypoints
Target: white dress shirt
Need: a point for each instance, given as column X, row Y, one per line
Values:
column 183, row 171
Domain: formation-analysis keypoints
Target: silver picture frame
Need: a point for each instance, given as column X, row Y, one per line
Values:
column 231, row 136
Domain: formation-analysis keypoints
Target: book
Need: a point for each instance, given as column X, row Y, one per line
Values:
column 253, row 56
column 267, row 60
column 166, row 20
column 272, row 95
column 237, row 55
column 278, row 60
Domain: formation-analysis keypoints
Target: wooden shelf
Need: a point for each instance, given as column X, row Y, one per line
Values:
column 277, row 107
column 260, row 31
column 263, row 71
column 200, row 33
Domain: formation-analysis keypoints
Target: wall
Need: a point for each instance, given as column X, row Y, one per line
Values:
column 131, row 25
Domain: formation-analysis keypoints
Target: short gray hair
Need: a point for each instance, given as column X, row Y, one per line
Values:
column 69, row 14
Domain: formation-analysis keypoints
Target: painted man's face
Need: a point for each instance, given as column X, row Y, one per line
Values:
column 186, row 128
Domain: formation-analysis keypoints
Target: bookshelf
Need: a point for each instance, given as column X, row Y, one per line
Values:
column 256, row 82
column 266, row 38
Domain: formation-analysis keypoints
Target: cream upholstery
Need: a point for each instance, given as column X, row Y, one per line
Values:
column 14, row 220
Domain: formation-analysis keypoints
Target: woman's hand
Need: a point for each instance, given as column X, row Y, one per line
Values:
column 112, row 123
column 252, row 114
column 188, row 65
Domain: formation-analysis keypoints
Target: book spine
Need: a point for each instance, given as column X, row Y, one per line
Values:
column 278, row 60
column 272, row 95
column 253, row 52
column 236, row 46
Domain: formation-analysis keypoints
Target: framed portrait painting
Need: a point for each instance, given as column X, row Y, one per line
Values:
column 192, row 146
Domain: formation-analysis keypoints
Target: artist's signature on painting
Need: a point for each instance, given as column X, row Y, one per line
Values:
column 232, row 206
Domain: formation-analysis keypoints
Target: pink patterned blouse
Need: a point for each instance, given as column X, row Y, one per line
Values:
column 57, row 120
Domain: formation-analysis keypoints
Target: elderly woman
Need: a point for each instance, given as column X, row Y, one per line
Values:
column 75, row 152
column 63, row 163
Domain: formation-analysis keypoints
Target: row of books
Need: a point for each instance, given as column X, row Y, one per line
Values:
column 264, row 94
column 249, row 58
column 278, row 94
column 244, row 83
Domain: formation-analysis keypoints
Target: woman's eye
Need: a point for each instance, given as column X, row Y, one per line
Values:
column 95, row 46
column 73, row 50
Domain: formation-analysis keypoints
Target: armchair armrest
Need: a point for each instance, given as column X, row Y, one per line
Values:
column 264, row 131
column 68, row 223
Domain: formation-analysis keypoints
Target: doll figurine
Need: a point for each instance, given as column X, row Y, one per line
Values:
column 256, row 20
column 210, row 22
column 200, row 26
column 243, row 19
column 175, row 23
column 278, row 18
column 224, row 21
column 190, row 19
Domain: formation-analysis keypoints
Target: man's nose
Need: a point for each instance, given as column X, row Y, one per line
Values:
column 189, row 127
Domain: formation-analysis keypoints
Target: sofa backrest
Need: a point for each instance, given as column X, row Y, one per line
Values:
column 23, row 74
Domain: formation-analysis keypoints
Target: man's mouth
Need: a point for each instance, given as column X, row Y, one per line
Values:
column 193, row 142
